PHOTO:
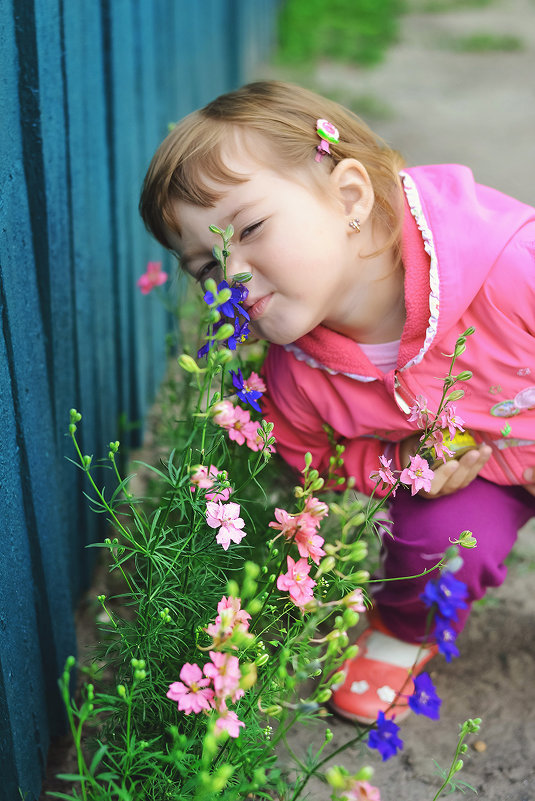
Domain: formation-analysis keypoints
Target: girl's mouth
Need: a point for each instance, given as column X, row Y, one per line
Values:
column 258, row 308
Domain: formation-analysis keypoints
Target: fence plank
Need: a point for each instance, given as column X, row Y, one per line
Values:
column 88, row 89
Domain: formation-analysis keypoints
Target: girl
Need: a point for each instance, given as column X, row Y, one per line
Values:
column 364, row 275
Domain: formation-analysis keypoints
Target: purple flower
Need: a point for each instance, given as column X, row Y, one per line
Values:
column 241, row 332
column 385, row 738
column 244, row 392
column 231, row 307
column 424, row 700
column 447, row 593
column 445, row 638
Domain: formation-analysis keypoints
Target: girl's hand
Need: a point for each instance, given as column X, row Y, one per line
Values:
column 529, row 477
column 454, row 474
column 458, row 473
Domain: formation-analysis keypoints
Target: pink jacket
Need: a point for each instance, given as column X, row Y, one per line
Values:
column 469, row 258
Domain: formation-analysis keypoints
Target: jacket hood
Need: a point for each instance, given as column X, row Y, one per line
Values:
column 453, row 232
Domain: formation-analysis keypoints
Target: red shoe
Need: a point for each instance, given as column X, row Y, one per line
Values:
column 379, row 677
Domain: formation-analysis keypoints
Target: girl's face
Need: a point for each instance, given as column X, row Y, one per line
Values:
column 295, row 242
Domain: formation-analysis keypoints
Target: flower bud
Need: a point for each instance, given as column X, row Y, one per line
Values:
column 261, row 660
column 188, row 364
column 359, row 577
column 359, row 549
column 469, row 331
column 121, row 691
column 223, row 296
column 351, row 652
column 456, row 395
column 308, row 459
column 224, row 356
column 214, row 316
column 337, row 678
column 336, row 778
column 458, row 766
column 329, row 734
column 72, row 428
column 224, row 332
column 350, row 618
column 324, row 695
column 460, row 347
column 364, row 774
column 465, row 375
column 241, row 278
column 273, row 711
column 326, row 565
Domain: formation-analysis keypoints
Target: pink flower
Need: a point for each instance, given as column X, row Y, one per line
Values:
column 418, row 475
column 223, row 414
column 226, row 518
column 309, row 545
column 229, row 722
column 355, row 601
column 254, row 383
column 316, row 508
column 361, row 791
column 385, row 474
column 205, row 477
column 253, row 439
column 291, row 525
column 453, row 421
column 154, row 276
column 436, row 441
column 192, row 695
column 230, row 616
column 242, row 428
column 224, row 670
column 420, row 412
column 297, row 581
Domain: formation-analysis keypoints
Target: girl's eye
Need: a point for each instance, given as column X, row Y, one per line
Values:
column 205, row 271
column 250, row 229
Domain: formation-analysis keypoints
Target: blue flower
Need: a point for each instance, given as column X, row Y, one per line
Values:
column 424, row 700
column 448, row 593
column 241, row 333
column 231, row 307
column 385, row 738
column 245, row 393
column 445, row 638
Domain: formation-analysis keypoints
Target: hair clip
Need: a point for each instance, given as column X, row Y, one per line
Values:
column 328, row 134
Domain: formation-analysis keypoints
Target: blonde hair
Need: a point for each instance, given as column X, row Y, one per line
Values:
column 190, row 160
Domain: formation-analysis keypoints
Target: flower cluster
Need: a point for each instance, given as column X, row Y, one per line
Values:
column 210, row 478
column 301, row 529
column 446, row 595
column 418, row 475
column 226, row 302
column 237, row 421
column 220, row 680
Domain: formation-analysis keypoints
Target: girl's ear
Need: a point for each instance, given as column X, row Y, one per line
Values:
column 352, row 187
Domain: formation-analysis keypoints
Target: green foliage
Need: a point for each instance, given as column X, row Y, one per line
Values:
column 484, row 42
column 349, row 30
column 170, row 606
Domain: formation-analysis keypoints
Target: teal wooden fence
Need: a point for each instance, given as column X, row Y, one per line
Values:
column 87, row 89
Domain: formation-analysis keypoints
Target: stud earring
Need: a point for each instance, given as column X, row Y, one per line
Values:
column 355, row 225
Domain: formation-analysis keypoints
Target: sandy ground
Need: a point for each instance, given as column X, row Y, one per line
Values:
column 436, row 104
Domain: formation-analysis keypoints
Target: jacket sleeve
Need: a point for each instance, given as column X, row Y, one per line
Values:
column 299, row 419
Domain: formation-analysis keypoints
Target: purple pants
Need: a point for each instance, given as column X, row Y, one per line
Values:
column 424, row 528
